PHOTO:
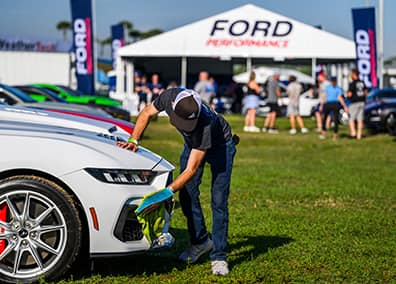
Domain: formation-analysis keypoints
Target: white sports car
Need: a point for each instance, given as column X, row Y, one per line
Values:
column 65, row 191
column 42, row 117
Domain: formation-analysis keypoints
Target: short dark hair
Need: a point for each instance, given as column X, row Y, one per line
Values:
column 355, row 71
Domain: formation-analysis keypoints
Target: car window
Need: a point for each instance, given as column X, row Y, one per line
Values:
column 7, row 99
column 18, row 93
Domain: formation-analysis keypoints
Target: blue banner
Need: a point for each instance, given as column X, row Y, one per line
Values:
column 366, row 46
column 117, row 41
column 83, row 43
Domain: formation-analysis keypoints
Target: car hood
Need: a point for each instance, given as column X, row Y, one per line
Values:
column 67, row 107
column 61, row 151
column 42, row 117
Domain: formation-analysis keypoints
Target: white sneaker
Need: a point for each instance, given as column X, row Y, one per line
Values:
column 273, row 131
column 254, row 129
column 220, row 267
column 304, row 130
column 321, row 136
column 293, row 131
column 193, row 253
column 246, row 128
column 264, row 129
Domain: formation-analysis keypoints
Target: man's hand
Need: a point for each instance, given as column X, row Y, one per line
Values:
column 128, row 146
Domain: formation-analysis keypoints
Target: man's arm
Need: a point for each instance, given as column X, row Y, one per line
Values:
column 342, row 101
column 141, row 123
column 194, row 161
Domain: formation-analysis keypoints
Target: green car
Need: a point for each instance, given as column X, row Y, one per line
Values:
column 73, row 96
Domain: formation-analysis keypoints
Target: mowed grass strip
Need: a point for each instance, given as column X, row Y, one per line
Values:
column 301, row 210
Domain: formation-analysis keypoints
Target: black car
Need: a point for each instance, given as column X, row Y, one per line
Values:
column 380, row 111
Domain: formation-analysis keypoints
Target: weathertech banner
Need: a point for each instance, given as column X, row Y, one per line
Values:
column 117, row 41
column 83, row 45
column 365, row 41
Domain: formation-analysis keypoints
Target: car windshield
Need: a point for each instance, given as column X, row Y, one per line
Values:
column 21, row 95
column 71, row 91
column 52, row 95
column 381, row 94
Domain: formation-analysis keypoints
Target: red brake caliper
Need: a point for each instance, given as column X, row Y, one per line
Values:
column 3, row 217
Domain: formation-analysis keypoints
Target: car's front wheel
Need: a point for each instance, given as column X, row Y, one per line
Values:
column 40, row 230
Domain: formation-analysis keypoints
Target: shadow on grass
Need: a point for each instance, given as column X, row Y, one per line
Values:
column 146, row 263
column 254, row 246
column 158, row 262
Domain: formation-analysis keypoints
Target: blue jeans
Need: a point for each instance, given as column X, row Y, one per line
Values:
column 221, row 160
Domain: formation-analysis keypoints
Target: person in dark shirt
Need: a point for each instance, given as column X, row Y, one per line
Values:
column 357, row 93
column 207, row 138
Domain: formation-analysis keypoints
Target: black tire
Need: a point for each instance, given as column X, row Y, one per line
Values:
column 64, row 237
column 390, row 124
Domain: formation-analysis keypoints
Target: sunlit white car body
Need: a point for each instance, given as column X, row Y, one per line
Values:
column 42, row 117
column 63, row 156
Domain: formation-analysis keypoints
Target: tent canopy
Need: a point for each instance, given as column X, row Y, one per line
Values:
column 248, row 31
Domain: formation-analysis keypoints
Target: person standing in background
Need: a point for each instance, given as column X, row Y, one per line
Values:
column 204, row 87
column 251, row 103
column 273, row 92
column 334, row 96
column 155, row 86
column 293, row 90
column 322, row 84
column 357, row 93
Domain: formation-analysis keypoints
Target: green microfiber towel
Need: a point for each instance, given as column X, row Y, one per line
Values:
column 154, row 223
column 154, row 197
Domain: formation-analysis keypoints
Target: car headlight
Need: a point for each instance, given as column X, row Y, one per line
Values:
column 121, row 176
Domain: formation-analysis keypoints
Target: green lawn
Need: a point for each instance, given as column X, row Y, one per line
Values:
column 301, row 210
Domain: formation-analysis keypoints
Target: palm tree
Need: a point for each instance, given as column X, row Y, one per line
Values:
column 150, row 33
column 63, row 26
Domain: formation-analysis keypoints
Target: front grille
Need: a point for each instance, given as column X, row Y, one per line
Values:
column 128, row 227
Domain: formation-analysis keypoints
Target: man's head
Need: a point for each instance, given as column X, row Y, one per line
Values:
column 154, row 78
column 276, row 76
column 354, row 74
column 186, row 107
column 203, row 76
column 333, row 80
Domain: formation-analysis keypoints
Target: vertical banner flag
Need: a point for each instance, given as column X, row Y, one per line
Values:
column 117, row 41
column 83, row 45
column 366, row 48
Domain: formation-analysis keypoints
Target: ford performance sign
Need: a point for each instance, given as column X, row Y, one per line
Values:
column 365, row 41
column 244, row 33
column 83, row 45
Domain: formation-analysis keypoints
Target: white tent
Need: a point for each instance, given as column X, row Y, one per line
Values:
column 262, row 74
column 248, row 32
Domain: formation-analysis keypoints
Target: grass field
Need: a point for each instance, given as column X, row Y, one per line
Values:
column 301, row 210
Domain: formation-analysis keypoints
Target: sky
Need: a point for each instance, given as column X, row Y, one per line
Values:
column 38, row 18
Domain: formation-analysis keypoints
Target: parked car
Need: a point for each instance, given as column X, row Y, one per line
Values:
column 42, row 117
column 380, row 111
column 65, row 193
column 14, row 96
column 109, row 105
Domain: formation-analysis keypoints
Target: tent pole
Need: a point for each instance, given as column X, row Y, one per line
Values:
column 183, row 79
column 129, row 77
column 248, row 64
column 313, row 68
